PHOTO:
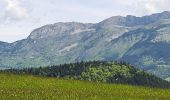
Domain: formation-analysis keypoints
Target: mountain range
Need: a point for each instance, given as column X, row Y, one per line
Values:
column 143, row 42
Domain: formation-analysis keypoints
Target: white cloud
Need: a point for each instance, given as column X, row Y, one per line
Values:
column 150, row 6
column 14, row 10
column 143, row 7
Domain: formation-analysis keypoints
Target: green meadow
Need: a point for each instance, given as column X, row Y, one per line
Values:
column 28, row 87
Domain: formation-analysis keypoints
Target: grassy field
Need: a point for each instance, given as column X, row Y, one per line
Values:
column 27, row 87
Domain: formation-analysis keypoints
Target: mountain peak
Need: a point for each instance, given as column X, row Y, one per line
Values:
column 165, row 12
column 131, row 20
column 70, row 27
column 58, row 28
column 162, row 15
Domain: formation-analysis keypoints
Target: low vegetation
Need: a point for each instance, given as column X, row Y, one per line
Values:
column 24, row 87
column 98, row 71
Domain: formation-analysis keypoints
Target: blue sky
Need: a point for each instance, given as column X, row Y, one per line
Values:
column 19, row 17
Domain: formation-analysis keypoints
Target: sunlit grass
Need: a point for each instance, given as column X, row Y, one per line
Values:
column 30, row 87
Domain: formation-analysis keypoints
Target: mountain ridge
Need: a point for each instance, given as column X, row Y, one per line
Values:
column 127, row 38
column 131, row 20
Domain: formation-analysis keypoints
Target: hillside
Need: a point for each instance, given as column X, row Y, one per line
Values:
column 98, row 71
column 35, row 88
column 141, row 41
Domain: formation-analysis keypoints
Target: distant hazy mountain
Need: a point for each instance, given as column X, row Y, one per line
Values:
column 141, row 41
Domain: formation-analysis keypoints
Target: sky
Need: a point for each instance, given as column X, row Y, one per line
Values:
column 19, row 17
